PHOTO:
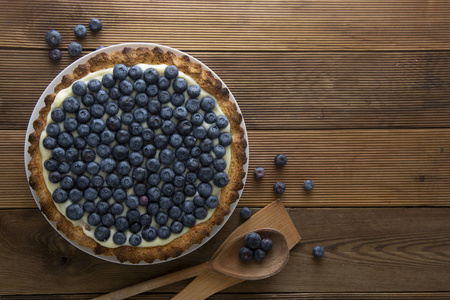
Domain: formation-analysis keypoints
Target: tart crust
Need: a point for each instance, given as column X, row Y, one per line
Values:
column 228, row 195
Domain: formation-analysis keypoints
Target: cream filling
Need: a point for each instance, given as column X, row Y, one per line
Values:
column 88, row 229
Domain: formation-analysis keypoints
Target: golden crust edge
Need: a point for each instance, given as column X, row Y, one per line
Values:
column 229, row 194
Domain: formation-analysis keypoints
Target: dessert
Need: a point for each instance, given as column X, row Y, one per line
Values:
column 138, row 154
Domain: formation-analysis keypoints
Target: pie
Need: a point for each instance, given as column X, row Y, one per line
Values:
column 138, row 154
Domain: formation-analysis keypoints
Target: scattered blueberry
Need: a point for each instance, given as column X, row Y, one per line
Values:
column 279, row 188
column 259, row 172
column 58, row 115
column 308, row 185
column 60, row 196
column 55, row 55
column 281, row 160
column 188, row 220
column 318, row 251
column 74, row 49
column 212, row 202
column 246, row 213
column 53, row 38
column 121, row 224
column 95, row 25
column 80, row 31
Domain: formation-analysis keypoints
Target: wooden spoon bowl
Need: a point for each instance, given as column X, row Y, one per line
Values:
column 228, row 262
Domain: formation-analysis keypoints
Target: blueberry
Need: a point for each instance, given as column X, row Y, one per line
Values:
column 126, row 182
column 196, row 152
column 166, row 113
column 176, row 227
column 153, row 194
column 179, row 181
column 140, row 174
column 192, row 105
column 168, row 189
column 60, row 196
column 97, row 110
column 82, row 182
column 153, row 165
column 97, row 125
column 149, row 233
column 121, row 224
column 194, row 91
column 112, row 180
column 163, row 83
column 188, row 220
column 178, row 167
column 174, row 212
column 127, row 118
column 154, row 122
column 58, row 153
column 53, row 129
column 245, row 254
column 58, row 115
column 259, row 172
column 149, row 151
column 107, row 137
column 64, row 167
column 125, row 87
column 180, row 85
column 78, row 167
column 74, row 49
column 219, row 151
column 102, row 207
column 65, row 139
column 161, row 218
column 116, row 209
column 135, row 159
column 55, row 55
column 222, row 121
column 165, row 203
column 148, row 135
column 177, row 100
column 220, row 179
column 75, row 195
column 119, row 238
column 93, row 140
column 96, row 182
column 151, row 75
column 105, row 193
column 93, row 167
column 154, row 107
column 189, row 190
column 80, row 31
column 123, row 167
column 225, row 139
column 145, row 220
column 51, row 164
column 126, row 103
column 135, row 227
column 108, row 81
column 206, row 145
column 259, row 254
column 199, row 132
column 252, row 240
column 167, row 175
column 74, row 211
column 279, row 188
column 318, row 251
column 95, row 25
column 205, row 174
column 210, row 117
column 189, row 141
column 54, row 177
column 200, row 213
column 213, row 132
column 89, row 207
column 266, row 244
column 308, row 185
column 199, row 200
column 164, row 96
column 192, row 164
column 152, row 90
column 281, row 160
column 188, row 207
column 84, row 116
column 120, row 152
column 167, row 156
column 191, row 177
column 204, row 189
column 206, row 159
column 208, row 103
column 161, row 141
column 49, row 143
column 102, row 233
column 88, row 99
column 132, row 201
column 171, row 72
column 114, row 93
column 133, row 215
column 176, row 140
column 212, row 202
column 179, row 113
column 79, row 88
column 108, row 220
column 140, row 86
column 102, row 98
column 184, row 127
column 53, row 38
column 70, row 124
column 122, row 136
column 112, row 108
column 79, row 142
column 246, row 213
column 135, row 72
column 168, row 127
column 153, row 208
column 197, row 119
column 119, row 195
column 90, row 194
column 163, row 232
column 178, row 197
column 141, row 100
column 219, row 164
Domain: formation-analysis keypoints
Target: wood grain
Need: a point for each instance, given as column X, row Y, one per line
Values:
column 259, row 25
column 349, row 168
column 366, row 250
column 303, row 90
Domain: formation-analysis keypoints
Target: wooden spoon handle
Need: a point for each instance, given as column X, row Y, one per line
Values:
column 155, row 283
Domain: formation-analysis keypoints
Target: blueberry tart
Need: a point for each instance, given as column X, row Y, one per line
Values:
column 138, row 154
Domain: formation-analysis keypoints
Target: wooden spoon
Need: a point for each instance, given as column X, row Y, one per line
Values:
column 226, row 261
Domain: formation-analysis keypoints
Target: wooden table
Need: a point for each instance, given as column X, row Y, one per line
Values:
column 355, row 93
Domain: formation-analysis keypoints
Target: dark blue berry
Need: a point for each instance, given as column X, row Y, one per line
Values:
column 167, row 156
column 119, row 238
column 108, row 220
column 164, row 96
column 152, row 90
column 189, row 141
column 199, row 200
column 149, row 151
column 176, row 140
column 114, row 93
column 49, row 143
column 122, row 224
column 179, row 181
column 126, row 87
column 135, row 72
column 90, row 194
column 266, row 244
column 206, row 145
column 197, row 119
column 88, row 99
column 120, row 152
column 89, row 207
column 53, row 38
column 54, row 177
column 132, row 201
column 126, row 103
column 246, row 213
column 279, row 188
column 135, row 227
column 78, row 167
column 105, row 193
column 165, row 203
column 65, row 139
column 148, row 135
column 60, row 196
column 58, row 153
column 95, row 25
column 281, row 160
column 252, row 240
column 208, row 103
column 149, row 233
column 112, row 180
column 116, row 209
column 161, row 141
column 108, row 165
column 135, row 159
column 75, row 195
column 102, row 233
column 308, row 185
column 318, row 251
column 161, row 218
column 154, row 107
column 174, row 212
column 168, row 189
column 74, row 211
column 93, row 168
column 153, row 165
column 219, row 151
column 199, row 132
column 119, row 195
column 163, row 232
column 153, row 194
column 196, row 152
column 153, row 208
column 163, row 83
column 97, row 125
column 213, row 132
column 107, row 137
column 205, row 174
column 194, row 91
column 211, row 202
column 192, row 105
column 151, row 75
column 259, row 254
column 80, row 31
column 83, row 116
column 259, row 172
column 178, row 197
column 96, row 182
column 97, row 110
column 145, row 219
column 191, row 177
column 188, row 207
column 74, row 49
column 102, row 207
column 58, row 115
column 192, row 164
column 55, row 55
column 210, row 117
column 219, row 164
column 82, row 182
column 53, row 129
column 166, row 113
column 200, row 213
column 127, row 118
column 190, row 190
column 79, row 88
column 108, row 81
column 141, row 100
column 64, row 167
column 140, row 115
column 245, row 254
column 171, row 72
column 51, row 164
column 179, row 85
column 154, row 122
column 188, row 220
column 126, row 182
column 222, row 121
column 168, row 127
column 122, row 136
column 140, row 174
column 206, row 159
column 70, row 124
column 184, row 127
column 225, row 139
column 176, row 227
column 112, row 108
column 79, row 142
column 179, row 167
column 177, row 99
column 167, row 175
column 204, row 189
column 135, row 128
column 220, row 179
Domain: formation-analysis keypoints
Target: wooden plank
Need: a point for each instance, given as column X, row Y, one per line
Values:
column 260, row 25
column 284, row 90
column 349, row 167
column 366, row 250
column 226, row 296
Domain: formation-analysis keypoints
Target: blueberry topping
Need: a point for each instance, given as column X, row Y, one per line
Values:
column 189, row 190
column 74, row 211
column 55, row 55
column 149, row 233
column 135, row 159
column 213, row 132
column 94, row 219
column 246, row 213
column 245, row 254
column 168, row 127
column 163, row 232
column 141, row 100
column 119, row 195
column 127, row 118
column 135, row 72
column 205, row 174
column 53, row 38
column 116, row 209
column 178, row 197
column 281, row 160
column 95, row 25
column 318, row 251
column 210, row 117
column 74, row 49
column 145, row 219
column 82, row 182
column 119, row 238
column 192, row 105
column 151, row 75
column 65, row 139
column 79, row 142
column 221, row 121
column 102, row 233
column 204, row 189
column 208, row 103
column 212, row 202
column 51, row 164
column 192, row 164
column 112, row 180
column 252, row 240
column 53, row 129
column 206, row 145
column 161, row 218
column 197, row 119
column 70, row 124
column 199, row 200
column 188, row 220
column 75, row 195
column 121, row 224
column 135, row 227
column 54, row 177
column 194, row 91
column 108, row 81
column 58, row 115
column 114, row 93
column 83, row 116
column 163, row 83
column 177, row 100
column 126, row 182
column 90, row 194
column 120, row 72
column 148, row 135
column 200, row 213
column 168, row 189
column 89, row 207
column 154, row 122
column 153, row 208
column 176, row 227
column 164, row 96
column 219, row 164
column 188, row 207
column 88, row 99
column 64, row 167
column 174, row 212
column 167, row 174
column 191, row 177
column 179, row 85
column 171, row 72
column 58, row 153
column 49, row 143
column 220, row 179
column 153, row 194
column 96, row 182
column 225, row 139
column 199, row 132
column 206, row 159
column 308, row 185
column 279, row 188
column 78, row 167
column 79, row 88
column 196, row 152
column 60, row 196
column 143, row 200
column 126, row 87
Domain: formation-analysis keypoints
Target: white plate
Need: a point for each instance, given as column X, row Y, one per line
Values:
column 50, row 89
